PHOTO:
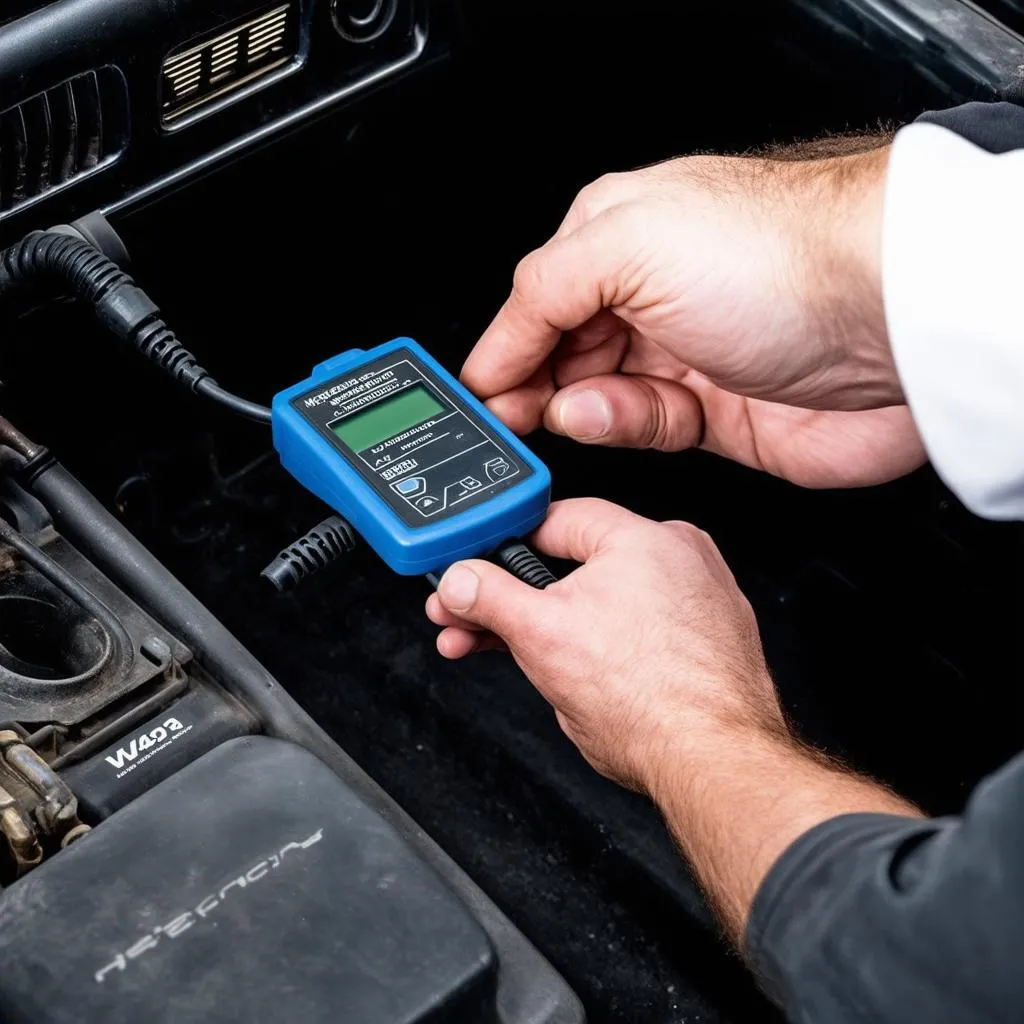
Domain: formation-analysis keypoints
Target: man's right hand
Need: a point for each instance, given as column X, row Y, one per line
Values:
column 731, row 303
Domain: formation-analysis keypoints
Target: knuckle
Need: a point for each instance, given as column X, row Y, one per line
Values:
column 636, row 225
column 595, row 507
column 630, row 219
column 687, row 532
column 597, row 193
column 528, row 273
column 636, row 535
column 586, row 199
column 589, row 512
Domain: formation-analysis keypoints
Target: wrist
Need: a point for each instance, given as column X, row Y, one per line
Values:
column 737, row 799
column 743, row 723
column 680, row 777
column 766, row 760
column 841, row 247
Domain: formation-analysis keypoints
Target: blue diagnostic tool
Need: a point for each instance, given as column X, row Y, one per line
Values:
column 395, row 444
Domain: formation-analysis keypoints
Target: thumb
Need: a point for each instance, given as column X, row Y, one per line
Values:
column 628, row 411
column 486, row 595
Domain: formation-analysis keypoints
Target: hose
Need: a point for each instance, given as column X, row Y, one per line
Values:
column 13, row 438
column 65, row 265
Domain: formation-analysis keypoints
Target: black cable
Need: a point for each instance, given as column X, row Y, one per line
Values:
column 64, row 264
column 250, row 410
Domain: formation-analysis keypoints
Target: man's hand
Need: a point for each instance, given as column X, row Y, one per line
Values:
column 733, row 303
column 647, row 643
column 650, row 655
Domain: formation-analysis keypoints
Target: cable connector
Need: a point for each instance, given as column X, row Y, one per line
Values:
column 516, row 558
column 130, row 314
column 319, row 548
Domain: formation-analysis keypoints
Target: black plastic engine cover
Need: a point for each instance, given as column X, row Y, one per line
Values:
column 252, row 886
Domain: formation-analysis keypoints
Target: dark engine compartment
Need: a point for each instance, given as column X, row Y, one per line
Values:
column 888, row 614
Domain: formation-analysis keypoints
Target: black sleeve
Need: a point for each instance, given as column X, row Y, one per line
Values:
column 995, row 127
column 889, row 920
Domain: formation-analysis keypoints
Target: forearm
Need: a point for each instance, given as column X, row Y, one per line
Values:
column 736, row 800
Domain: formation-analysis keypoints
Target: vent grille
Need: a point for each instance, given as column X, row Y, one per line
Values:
column 61, row 135
column 194, row 77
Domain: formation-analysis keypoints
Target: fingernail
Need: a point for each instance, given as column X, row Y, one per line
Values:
column 585, row 415
column 458, row 588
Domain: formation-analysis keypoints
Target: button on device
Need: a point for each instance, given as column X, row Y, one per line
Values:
column 470, row 483
column 497, row 468
column 428, row 503
column 410, row 486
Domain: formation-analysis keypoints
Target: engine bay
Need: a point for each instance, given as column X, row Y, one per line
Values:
column 216, row 799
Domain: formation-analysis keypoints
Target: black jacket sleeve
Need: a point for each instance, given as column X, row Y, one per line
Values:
column 889, row 920
column 872, row 918
column 995, row 127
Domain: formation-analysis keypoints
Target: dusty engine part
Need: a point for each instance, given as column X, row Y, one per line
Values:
column 22, row 844
column 71, row 643
column 38, row 811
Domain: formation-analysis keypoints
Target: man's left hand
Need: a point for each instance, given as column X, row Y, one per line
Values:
column 649, row 646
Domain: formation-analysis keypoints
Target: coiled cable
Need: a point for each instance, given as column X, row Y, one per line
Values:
column 65, row 265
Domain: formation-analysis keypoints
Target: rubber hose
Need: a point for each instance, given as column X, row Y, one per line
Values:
column 66, row 265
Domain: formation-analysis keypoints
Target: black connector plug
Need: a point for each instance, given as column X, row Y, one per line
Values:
column 129, row 314
column 516, row 558
column 319, row 548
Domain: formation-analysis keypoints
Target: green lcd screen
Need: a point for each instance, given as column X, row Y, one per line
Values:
column 386, row 419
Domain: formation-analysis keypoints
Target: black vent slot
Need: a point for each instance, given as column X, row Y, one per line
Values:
column 195, row 76
column 61, row 135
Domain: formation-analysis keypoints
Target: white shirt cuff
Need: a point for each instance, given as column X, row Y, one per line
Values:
column 953, row 281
